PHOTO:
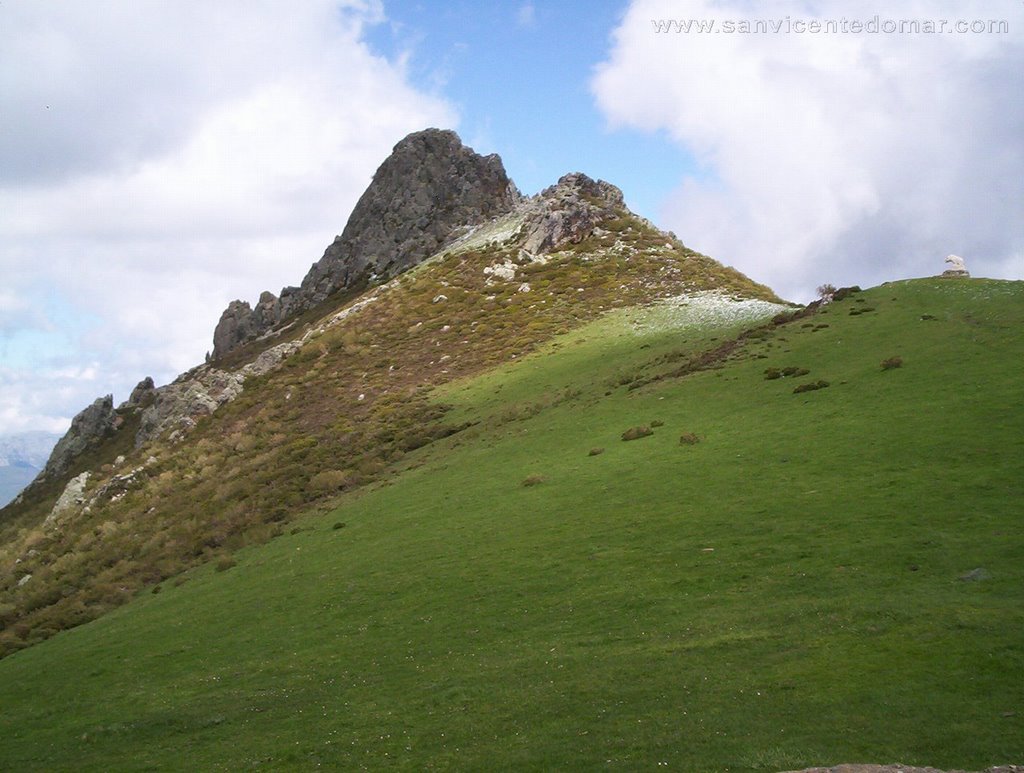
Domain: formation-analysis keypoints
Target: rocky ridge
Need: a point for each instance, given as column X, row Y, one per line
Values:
column 562, row 214
column 430, row 186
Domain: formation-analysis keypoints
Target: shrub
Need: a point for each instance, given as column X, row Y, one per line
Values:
column 790, row 370
column 534, row 480
column 596, row 451
column 329, row 480
column 892, row 362
column 338, row 525
column 224, row 563
column 810, row 386
column 688, row 439
column 657, row 423
column 633, row 433
column 785, row 316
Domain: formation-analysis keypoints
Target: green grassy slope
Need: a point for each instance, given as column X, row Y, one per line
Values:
column 788, row 591
column 336, row 415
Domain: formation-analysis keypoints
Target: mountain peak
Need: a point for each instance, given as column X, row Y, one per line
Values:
column 568, row 211
column 430, row 186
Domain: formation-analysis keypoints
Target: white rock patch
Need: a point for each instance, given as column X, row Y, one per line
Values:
column 698, row 309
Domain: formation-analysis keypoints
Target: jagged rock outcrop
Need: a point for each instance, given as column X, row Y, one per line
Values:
column 568, row 212
column 88, row 428
column 142, row 395
column 176, row 407
column 429, row 188
column 240, row 323
column 180, row 404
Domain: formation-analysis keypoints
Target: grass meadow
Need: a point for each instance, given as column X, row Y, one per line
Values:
column 815, row 577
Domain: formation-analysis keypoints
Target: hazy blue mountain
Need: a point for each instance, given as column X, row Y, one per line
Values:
column 22, row 456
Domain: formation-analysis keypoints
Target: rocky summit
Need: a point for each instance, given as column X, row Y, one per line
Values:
column 425, row 191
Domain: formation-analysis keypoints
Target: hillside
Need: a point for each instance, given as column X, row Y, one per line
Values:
column 328, row 387
column 774, row 577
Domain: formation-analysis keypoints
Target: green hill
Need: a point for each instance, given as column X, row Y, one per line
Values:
column 772, row 578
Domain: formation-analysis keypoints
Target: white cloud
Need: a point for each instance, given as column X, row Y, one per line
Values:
column 526, row 15
column 848, row 158
column 159, row 159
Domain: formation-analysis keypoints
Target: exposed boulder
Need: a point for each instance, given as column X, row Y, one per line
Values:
column 240, row 323
column 88, row 428
column 142, row 395
column 180, row 404
column 429, row 189
column 569, row 211
column 72, row 498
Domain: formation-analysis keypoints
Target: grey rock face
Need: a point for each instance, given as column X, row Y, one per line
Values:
column 429, row 186
column 142, row 395
column 426, row 190
column 179, row 405
column 240, row 323
column 71, row 498
column 568, row 212
column 88, row 428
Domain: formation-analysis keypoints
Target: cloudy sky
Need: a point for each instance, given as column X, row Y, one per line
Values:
column 159, row 158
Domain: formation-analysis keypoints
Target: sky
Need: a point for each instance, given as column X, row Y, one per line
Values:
column 160, row 158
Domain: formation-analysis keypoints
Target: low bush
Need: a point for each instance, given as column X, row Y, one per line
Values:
column 224, row 563
column 810, row 386
column 790, row 370
column 633, row 433
column 534, row 480
column 688, row 439
column 892, row 362
column 596, row 451
column 330, row 480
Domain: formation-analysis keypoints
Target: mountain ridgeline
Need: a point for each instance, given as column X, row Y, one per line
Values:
column 428, row 188
column 443, row 270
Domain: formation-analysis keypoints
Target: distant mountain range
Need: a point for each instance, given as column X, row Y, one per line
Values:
column 22, row 456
